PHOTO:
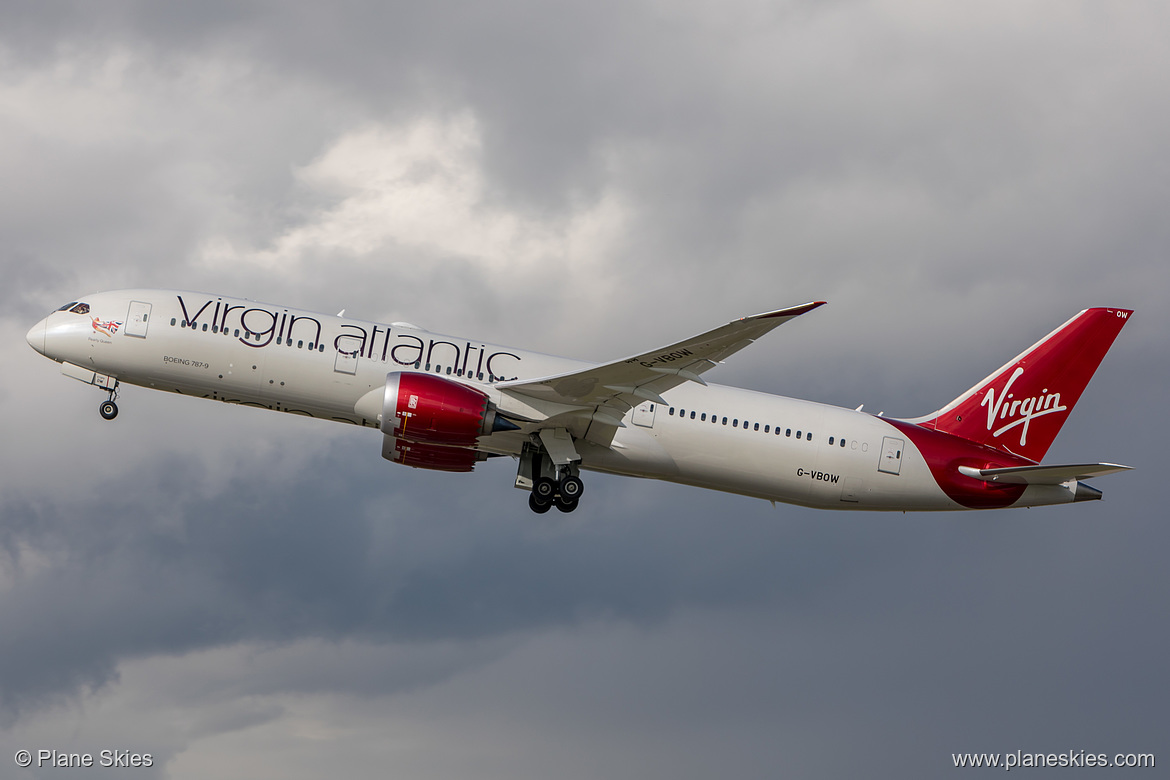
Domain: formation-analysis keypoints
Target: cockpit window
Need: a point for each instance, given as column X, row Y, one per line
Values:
column 81, row 308
column 68, row 306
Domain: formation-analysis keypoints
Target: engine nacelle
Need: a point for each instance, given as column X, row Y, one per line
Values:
column 432, row 410
column 430, row 456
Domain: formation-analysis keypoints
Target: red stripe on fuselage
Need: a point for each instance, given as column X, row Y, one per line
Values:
column 944, row 454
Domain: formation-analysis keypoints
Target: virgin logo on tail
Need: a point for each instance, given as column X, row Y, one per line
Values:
column 1021, row 411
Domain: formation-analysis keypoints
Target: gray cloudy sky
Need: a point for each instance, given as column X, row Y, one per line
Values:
column 248, row 596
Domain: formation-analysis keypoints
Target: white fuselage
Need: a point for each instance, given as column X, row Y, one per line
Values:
column 302, row 362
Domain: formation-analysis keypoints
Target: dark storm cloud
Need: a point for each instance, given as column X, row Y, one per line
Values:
column 411, row 562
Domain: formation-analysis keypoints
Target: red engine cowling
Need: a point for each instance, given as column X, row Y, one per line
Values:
column 430, row 409
column 431, row 456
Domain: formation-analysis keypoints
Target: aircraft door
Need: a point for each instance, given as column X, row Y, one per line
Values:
column 644, row 414
column 348, row 350
column 891, row 458
column 137, row 319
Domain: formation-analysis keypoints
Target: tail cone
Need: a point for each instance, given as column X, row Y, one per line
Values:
column 1085, row 493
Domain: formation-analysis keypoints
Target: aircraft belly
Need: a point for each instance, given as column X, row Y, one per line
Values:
column 634, row 452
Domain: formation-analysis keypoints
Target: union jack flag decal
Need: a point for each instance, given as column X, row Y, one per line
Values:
column 108, row 328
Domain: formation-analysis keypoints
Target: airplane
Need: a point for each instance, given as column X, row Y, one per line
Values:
column 448, row 403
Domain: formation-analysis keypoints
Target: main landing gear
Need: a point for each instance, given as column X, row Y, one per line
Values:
column 564, row 494
column 109, row 410
column 550, row 484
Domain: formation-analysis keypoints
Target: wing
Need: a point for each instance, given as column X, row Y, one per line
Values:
column 609, row 390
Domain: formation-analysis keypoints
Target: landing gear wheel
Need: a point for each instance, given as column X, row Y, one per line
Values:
column 108, row 410
column 544, row 488
column 537, row 505
column 571, row 488
column 565, row 504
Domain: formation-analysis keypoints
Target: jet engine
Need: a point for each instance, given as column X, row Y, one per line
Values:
column 433, row 410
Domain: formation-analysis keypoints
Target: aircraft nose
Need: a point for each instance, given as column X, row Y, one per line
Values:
column 36, row 336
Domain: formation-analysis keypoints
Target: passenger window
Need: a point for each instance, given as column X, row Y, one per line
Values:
column 788, row 432
column 692, row 415
column 672, row 411
column 808, row 437
column 798, row 434
column 756, row 427
column 725, row 421
column 703, row 417
column 173, row 322
column 448, row 370
column 766, row 427
column 301, row 344
column 735, row 423
column 842, row 442
column 830, row 441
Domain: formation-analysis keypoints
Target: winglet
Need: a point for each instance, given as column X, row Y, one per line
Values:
column 791, row 312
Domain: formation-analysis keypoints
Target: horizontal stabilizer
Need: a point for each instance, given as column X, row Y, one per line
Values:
column 1042, row 475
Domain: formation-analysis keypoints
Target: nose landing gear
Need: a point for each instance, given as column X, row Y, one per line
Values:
column 109, row 410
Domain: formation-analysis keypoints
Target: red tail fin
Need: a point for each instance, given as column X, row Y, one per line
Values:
column 1020, row 408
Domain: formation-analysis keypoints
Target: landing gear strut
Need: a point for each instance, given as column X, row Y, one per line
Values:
column 550, row 485
column 109, row 410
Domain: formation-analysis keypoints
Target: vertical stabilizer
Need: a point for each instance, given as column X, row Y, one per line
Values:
column 1021, row 407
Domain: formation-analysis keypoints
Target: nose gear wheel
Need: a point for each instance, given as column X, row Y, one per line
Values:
column 109, row 410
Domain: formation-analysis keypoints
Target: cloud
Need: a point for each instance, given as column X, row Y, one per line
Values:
column 411, row 205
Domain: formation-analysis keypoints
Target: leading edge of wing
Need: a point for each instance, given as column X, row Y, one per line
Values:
column 645, row 376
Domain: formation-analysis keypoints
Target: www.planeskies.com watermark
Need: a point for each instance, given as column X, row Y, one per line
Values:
column 1069, row 758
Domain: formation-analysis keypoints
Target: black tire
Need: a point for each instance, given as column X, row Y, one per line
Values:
column 108, row 410
column 538, row 506
column 544, row 488
column 565, row 504
column 571, row 488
